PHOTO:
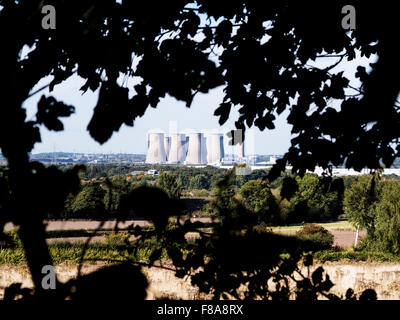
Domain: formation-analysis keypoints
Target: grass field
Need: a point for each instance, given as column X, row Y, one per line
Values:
column 330, row 226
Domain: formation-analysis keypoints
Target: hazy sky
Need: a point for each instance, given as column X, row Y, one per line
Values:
column 75, row 137
column 169, row 113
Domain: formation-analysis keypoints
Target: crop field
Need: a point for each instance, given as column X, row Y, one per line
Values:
column 337, row 226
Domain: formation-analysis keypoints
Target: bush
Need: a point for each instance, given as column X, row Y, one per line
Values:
column 116, row 239
column 332, row 255
column 11, row 239
column 316, row 237
column 202, row 193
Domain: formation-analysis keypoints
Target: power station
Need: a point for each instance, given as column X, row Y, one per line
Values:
column 156, row 151
column 167, row 145
column 195, row 149
column 190, row 149
column 216, row 148
column 178, row 149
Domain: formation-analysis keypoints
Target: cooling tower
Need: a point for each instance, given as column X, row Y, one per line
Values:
column 167, row 145
column 177, row 149
column 216, row 148
column 185, row 145
column 240, row 150
column 156, row 151
column 195, row 149
column 204, row 150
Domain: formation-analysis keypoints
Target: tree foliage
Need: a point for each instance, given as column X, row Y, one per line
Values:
column 170, row 184
column 372, row 203
column 360, row 202
column 387, row 235
column 316, row 198
column 90, row 201
column 238, row 260
column 257, row 195
column 199, row 181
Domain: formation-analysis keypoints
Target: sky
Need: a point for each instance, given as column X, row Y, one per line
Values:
column 170, row 113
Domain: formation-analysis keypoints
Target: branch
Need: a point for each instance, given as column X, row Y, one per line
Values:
column 38, row 90
column 335, row 64
column 85, row 247
column 331, row 55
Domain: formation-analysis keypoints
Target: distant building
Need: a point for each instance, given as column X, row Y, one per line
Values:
column 153, row 172
column 272, row 160
column 195, row 154
column 215, row 148
column 177, row 152
column 156, row 151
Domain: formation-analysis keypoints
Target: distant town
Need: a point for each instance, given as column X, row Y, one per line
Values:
column 257, row 161
column 66, row 158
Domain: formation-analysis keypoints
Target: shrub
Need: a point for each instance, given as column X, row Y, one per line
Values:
column 12, row 239
column 116, row 239
column 332, row 255
column 200, row 193
column 316, row 237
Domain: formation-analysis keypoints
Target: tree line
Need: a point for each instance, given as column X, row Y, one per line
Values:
column 314, row 198
column 372, row 203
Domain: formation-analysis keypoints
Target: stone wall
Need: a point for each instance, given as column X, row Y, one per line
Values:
column 384, row 278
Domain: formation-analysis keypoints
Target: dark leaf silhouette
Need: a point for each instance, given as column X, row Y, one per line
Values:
column 289, row 188
column 49, row 110
column 118, row 283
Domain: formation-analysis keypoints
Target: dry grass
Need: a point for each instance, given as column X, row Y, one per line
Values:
column 330, row 226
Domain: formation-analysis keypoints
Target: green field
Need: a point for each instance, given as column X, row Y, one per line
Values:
column 330, row 226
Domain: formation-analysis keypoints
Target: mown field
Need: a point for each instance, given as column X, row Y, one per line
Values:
column 339, row 226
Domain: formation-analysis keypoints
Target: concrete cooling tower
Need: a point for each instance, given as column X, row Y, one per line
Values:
column 204, row 150
column 185, row 144
column 156, row 151
column 177, row 152
column 195, row 154
column 167, row 145
column 240, row 150
column 215, row 148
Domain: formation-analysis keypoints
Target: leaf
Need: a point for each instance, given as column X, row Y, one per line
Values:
column 289, row 188
column 49, row 110
column 121, row 282
column 223, row 32
column 111, row 111
column 368, row 295
column 151, row 203
column 180, row 273
column 317, row 275
column 223, row 111
column 155, row 255
column 190, row 26
column 350, row 294
column 361, row 73
column 308, row 260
